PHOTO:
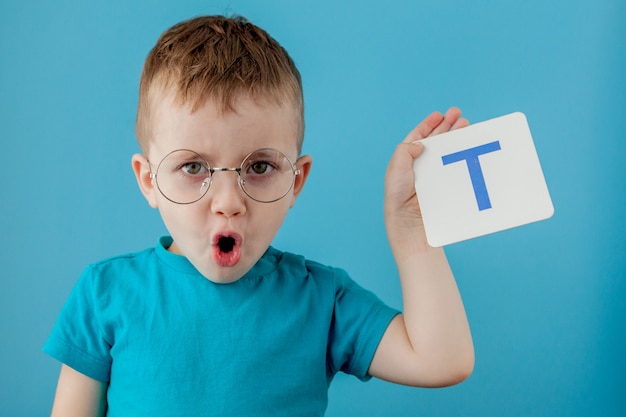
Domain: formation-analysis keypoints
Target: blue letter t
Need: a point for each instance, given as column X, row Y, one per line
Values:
column 473, row 165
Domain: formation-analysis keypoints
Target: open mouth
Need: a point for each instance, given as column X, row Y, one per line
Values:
column 227, row 249
column 226, row 243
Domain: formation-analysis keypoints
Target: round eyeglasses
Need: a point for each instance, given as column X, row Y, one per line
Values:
column 265, row 175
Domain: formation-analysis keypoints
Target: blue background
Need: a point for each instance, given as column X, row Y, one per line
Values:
column 545, row 301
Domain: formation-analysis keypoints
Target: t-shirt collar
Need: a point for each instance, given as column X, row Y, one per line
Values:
column 266, row 264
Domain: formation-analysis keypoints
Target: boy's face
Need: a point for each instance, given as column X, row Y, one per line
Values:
column 223, row 139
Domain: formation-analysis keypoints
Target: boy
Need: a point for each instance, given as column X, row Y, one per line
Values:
column 215, row 321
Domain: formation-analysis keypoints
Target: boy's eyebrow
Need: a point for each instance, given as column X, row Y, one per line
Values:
column 208, row 157
column 240, row 158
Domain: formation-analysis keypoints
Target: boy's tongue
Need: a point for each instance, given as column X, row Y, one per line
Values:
column 227, row 250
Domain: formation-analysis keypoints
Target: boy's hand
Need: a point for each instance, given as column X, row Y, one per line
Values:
column 401, row 205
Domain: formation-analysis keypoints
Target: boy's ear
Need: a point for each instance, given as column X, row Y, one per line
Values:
column 304, row 165
column 141, row 168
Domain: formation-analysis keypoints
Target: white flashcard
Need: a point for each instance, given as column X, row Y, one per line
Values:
column 480, row 179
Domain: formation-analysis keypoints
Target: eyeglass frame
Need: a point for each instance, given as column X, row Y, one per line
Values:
column 294, row 169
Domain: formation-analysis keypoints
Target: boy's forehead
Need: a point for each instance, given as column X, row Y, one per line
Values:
column 246, row 121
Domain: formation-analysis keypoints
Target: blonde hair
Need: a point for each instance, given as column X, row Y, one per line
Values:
column 221, row 59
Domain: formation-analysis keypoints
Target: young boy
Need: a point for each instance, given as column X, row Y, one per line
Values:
column 215, row 321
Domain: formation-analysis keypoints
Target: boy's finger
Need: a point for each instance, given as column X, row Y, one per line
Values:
column 451, row 117
column 425, row 128
column 461, row 123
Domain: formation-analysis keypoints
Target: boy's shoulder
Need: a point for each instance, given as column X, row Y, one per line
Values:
column 297, row 264
column 298, row 260
column 121, row 258
column 125, row 258
column 122, row 264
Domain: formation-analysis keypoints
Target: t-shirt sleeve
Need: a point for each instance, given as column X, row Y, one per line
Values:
column 78, row 338
column 360, row 319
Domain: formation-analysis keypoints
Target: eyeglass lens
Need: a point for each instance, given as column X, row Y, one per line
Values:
column 184, row 177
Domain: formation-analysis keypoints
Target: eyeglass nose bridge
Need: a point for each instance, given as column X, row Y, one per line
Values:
column 222, row 169
column 207, row 182
column 226, row 169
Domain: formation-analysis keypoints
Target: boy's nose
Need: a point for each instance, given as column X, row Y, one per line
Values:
column 227, row 197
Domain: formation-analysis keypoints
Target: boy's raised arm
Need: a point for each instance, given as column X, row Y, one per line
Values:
column 430, row 345
column 78, row 395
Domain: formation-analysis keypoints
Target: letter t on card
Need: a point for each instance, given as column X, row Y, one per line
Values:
column 479, row 180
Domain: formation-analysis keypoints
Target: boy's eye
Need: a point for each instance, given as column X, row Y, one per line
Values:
column 261, row 167
column 193, row 168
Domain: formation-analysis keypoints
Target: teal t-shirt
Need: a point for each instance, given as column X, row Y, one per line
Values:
column 172, row 343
